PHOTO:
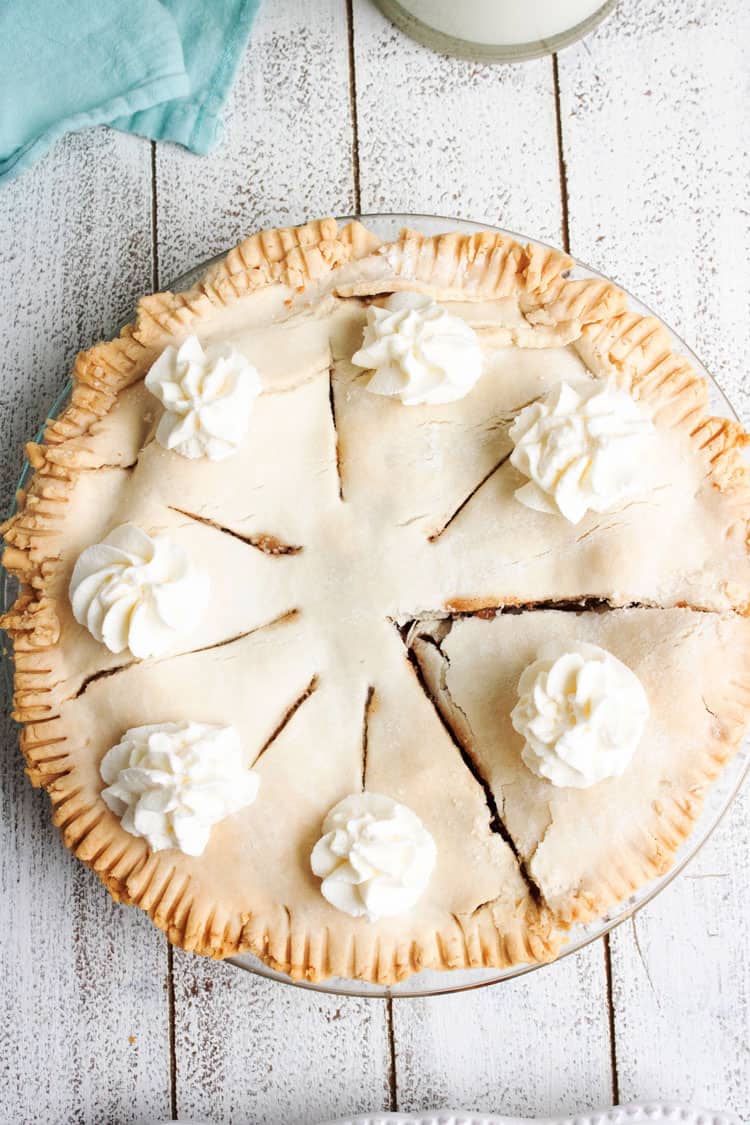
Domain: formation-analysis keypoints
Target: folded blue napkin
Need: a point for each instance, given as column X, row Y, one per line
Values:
column 159, row 68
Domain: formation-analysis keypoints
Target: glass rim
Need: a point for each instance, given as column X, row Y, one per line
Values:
column 723, row 790
column 456, row 46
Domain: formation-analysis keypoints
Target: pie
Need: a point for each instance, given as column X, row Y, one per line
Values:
column 382, row 606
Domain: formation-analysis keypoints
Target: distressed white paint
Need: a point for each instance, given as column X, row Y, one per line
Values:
column 681, row 974
column 250, row 1049
column 656, row 161
column 451, row 137
column 83, row 1001
column 656, row 101
column 287, row 151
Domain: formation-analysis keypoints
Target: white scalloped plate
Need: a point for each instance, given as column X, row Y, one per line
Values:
column 661, row 1113
column 647, row 1113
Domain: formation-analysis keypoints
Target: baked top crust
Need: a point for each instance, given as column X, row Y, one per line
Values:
column 588, row 848
column 358, row 551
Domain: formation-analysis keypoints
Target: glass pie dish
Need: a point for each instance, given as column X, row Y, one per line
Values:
column 719, row 797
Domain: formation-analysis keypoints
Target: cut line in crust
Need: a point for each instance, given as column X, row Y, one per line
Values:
column 332, row 403
column 268, row 544
column 369, row 703
column 467, row 500
column 287, row 717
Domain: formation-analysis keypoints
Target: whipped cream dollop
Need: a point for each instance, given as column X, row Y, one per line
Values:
column 581, row 712
column 375, row 857
column 418, row 351
column 581, row 449
column 171, row 782
column 207, row 397
column 135, row 590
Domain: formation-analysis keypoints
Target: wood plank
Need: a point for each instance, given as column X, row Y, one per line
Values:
column 287, row 151
column 535, row 1046
column 82, row 981
column 247, row 1048
column 452, row 137
column 479, row 142
column 653, row 110
column 255, row 1050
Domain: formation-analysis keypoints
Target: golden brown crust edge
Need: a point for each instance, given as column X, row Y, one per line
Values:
column 611, row 340
column 137, row 877
column 652, row 851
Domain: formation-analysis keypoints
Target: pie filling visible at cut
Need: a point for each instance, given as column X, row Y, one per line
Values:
column 376, row 591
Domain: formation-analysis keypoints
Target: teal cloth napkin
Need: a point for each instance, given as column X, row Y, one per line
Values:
column 159, row 68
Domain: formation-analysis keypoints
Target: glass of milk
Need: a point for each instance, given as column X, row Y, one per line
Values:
column 496, row 30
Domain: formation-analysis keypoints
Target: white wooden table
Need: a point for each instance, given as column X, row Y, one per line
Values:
column 633, row 149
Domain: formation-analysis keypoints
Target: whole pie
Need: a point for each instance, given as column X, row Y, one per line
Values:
column 383, row 606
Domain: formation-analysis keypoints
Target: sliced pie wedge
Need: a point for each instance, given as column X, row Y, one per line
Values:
column 587, row 848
